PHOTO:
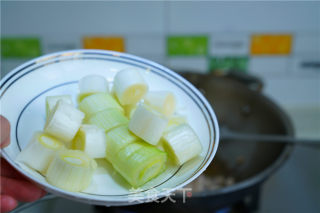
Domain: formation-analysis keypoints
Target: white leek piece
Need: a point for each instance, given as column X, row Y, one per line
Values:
column 64, row 122
column 40, row 151
column 129, row 110
column 163, row 101
column 71, row 170
column 118, row 138
column 129, row 86
column 138, row 162
column 181, row 143
column 92, row 84
column 108, row 119
column 176, row 120
column 98, row 102
column 92, row 140
column 148, row 124
column 51, row 102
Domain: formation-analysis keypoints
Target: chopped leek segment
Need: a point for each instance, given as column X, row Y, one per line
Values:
column 137, row 162
column 129, row 110
column 162, row 101
column 108, row 119
column 91, row 84
column 71, row 170
column 148, row 124
column 98, row 102
column 92, row 140
column 181, row 143
column 118, row 138
column 129, row 86
column 40, row 151
column 82, row 96
column 64, row 122
column 51, row 102
column 176, row 120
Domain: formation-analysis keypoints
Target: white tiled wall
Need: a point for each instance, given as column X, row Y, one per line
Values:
column 297, row 69
column 229, row 44
column 275, row 16
column 294, row 91
column 79, row 18
column 145, row 25
column 188, row 64
column 308, row 42
column 144, row 45
column 269, row 66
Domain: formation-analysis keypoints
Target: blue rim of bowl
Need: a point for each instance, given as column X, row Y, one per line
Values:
column 158, row 69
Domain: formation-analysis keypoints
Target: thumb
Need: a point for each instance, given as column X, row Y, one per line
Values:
column 4, row 132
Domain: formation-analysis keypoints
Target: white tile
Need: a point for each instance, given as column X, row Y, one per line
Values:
column 306, row 120
column 160, row 59
column 229, row 44
column 188, row 64
column 307, row 65
column 59, row 42
column 269, row 66
column 86, row 17
column 306, row 43
column 275, row 16
column 146, row 44
column 293, row 91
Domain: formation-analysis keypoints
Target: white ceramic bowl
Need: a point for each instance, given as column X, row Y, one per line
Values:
column 23, row 93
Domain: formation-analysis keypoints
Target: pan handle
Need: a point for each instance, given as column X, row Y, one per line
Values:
column 227, row 134
column 250, row 81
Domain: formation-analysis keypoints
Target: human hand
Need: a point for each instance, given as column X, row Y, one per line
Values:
column 14, row 187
